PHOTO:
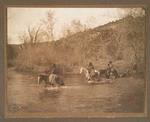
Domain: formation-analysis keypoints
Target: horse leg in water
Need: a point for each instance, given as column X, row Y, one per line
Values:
column 107, row 74
column 47, row 82
column 92, row 74
column 98, row 76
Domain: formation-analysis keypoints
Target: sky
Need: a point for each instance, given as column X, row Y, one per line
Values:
column 17, row 17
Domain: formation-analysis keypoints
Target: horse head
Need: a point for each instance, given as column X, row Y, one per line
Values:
column 81, row 70
column 42, row 78
column 85, row 71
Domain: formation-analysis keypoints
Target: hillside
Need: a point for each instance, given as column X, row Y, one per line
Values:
column 121, row 41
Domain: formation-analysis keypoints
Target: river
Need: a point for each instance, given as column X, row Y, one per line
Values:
column 24, row 94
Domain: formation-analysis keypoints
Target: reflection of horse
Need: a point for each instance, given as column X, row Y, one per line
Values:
column 93, row 74
column 49, row 94
column 51, row 79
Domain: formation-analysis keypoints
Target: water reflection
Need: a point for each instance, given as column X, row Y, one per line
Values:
column 49, row 95
column 24, row 94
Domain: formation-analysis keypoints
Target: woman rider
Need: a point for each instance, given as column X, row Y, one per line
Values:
column 91, row 70
column 90, row 67
column 53, row 70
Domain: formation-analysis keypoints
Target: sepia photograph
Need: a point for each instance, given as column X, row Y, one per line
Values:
column 75, row 61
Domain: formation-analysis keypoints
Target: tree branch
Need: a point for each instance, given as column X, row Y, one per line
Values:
column 35, row 39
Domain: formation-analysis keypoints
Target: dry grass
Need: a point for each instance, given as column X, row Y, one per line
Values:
column 99, row 46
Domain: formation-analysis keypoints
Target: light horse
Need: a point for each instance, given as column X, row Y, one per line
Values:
column 89, row 77
column 51, row 79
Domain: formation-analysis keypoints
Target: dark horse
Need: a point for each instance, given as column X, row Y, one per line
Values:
column 51, row 79
column 108, row 71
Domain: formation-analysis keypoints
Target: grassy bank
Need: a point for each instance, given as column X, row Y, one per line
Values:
column 121, row 66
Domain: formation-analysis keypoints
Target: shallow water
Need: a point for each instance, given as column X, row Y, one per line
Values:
column 24, row 94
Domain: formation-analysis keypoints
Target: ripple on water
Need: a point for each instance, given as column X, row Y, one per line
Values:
column 63, row 87
column 25, row 95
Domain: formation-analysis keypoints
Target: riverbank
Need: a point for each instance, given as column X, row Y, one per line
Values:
column 121, row 66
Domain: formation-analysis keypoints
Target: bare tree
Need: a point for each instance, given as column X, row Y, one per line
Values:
column 30, row 33
column 90, row 22
column 49, row 22
column 135, row 12
column 66, row 31
column 33, row 33
column 36, row 34
column 76, row 25
column 23, row 38
column 133, row 21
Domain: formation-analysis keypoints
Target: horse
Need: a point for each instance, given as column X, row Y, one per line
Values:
column 115, row 73
column 85, row 71
column 109, row 73
column 51, row 79
column 94, row 73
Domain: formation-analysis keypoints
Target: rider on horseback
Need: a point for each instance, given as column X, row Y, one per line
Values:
column 91, row 71
column 53, row 70
column 111, row 69
column 90, row 67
